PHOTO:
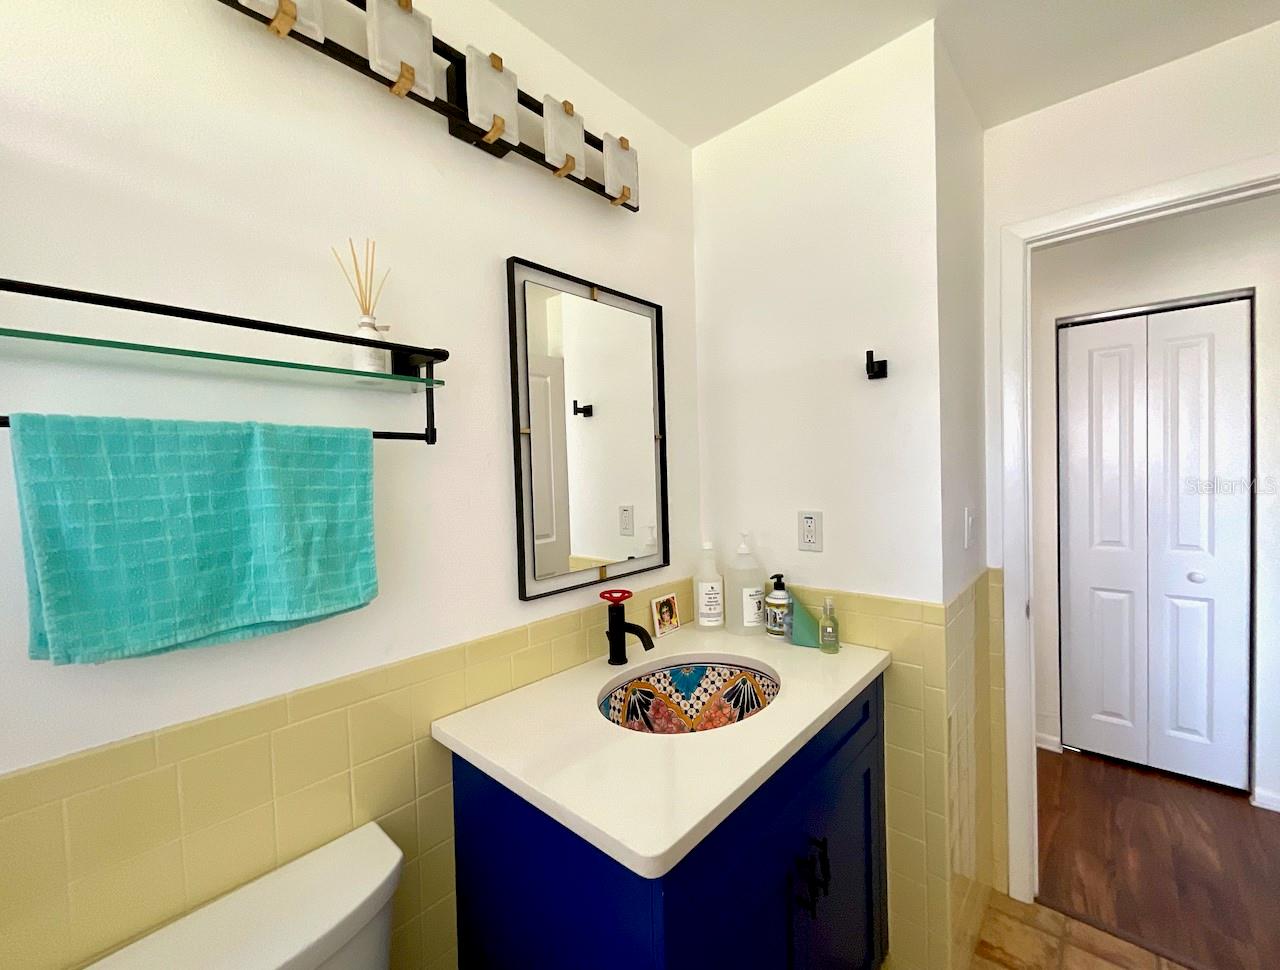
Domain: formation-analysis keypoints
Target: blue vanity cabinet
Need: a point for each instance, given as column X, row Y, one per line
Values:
column 794, row 879
column 841, row 925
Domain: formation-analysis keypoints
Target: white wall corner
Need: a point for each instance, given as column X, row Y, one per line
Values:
column 792, row 292
column 959, row 190
column 1265, row 798
column 1049, row 742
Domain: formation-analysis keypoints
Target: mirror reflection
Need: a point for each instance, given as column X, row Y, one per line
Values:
column 591, row 415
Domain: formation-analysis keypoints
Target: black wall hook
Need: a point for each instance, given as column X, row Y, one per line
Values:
column 586, row 410
column 876, row 369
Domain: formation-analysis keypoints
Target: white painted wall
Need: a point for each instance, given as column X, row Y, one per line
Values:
column 1203, row 252
column 958, row 135
column 611, row 453
column 815, row 241
column 180, row 153
column 1204, row 111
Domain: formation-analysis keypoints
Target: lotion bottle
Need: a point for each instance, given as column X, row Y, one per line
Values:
column 744, row 592
column 709, row 588
column 776, row 606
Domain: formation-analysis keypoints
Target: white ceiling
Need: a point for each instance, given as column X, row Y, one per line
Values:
column 699, row 67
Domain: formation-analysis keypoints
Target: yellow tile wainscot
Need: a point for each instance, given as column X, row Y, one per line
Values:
column 106, row 845
column 945, row 803
column 103, row 846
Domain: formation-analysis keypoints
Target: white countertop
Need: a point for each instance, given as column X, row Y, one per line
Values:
column 645, row 799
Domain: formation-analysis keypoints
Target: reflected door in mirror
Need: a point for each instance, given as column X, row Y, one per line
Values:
column 591, row 407
column 550, row 466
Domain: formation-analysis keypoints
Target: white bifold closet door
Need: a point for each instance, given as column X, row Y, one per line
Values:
column 1102, row 406
column 1155, row 425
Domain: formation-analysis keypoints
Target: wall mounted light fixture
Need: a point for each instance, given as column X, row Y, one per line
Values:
column 482, row 101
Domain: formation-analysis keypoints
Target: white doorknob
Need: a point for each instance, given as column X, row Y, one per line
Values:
column 1196, row 577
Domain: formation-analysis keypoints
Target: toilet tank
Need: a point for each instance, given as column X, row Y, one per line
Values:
column 328, row 910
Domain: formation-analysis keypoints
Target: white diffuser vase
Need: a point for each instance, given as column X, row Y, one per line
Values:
column 371, row 359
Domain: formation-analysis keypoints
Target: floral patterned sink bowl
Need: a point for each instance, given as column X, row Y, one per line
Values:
column 684, row 698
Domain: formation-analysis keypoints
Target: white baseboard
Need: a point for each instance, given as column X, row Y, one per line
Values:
column 1049, row 742
column 1269, row 800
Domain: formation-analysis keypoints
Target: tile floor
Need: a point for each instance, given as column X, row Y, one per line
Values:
column 1016, row 936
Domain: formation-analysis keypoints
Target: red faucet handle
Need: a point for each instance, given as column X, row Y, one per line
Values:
column 616, row 596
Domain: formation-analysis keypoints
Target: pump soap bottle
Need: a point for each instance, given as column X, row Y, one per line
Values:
column 829, row 628
column 776, row 606
column 744, row 593
column 710, row 587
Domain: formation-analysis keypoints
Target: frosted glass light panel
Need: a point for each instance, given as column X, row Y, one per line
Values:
column 492, row 92
column 310, row 22
column 397, row 36
column 565, row 135
column 621, row 167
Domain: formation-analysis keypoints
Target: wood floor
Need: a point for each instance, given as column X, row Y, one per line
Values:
column 1187, row 870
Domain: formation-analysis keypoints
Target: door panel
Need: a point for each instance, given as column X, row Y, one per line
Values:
column 1103, row 536
column 1189, row 632
column 1200, row 509
column 837, row 879
column 549, row 466
column 1112, row 622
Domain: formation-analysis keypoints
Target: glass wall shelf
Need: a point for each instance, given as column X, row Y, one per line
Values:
column 71, row 349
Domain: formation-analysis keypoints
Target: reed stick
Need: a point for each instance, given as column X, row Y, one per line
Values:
column 365, row 273
column 355, row 264
column 377, row 296
column 342, row 266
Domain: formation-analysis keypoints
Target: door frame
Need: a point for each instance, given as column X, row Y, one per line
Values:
column 1231, row 183
column 1247, row 294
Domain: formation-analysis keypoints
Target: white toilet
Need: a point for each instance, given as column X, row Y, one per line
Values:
column 328, row 910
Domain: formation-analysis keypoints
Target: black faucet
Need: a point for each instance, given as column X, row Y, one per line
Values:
column 619, row 627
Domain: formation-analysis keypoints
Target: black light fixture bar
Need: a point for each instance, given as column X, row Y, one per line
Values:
column 453, row 106
column 406, row 360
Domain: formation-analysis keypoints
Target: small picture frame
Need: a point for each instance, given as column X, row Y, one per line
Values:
column 666, row 615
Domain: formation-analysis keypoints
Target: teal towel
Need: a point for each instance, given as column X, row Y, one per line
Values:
column 142, row 536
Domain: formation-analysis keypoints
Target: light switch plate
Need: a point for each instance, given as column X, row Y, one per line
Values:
column 970, row 520
column 809, row 531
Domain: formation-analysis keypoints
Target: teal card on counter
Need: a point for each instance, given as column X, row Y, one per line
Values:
column 804, row 625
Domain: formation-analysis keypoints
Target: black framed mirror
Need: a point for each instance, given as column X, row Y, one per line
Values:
column 588, row 416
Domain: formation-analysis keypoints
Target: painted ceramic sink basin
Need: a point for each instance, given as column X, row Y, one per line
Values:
column 689, row 696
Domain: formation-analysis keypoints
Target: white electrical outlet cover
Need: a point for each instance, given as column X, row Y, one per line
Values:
column 310, row 21
column 564, row 134
column 397, row 36
column 801, row 521
column 621, row 167
column 492, row 93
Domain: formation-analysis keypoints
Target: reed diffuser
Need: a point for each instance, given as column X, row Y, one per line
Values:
column 369, row 359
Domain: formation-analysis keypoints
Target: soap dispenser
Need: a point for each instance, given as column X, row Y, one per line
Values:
column 776, row 606
column 829, row 628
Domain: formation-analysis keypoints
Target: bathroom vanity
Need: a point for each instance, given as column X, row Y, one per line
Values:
column 583, row 843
